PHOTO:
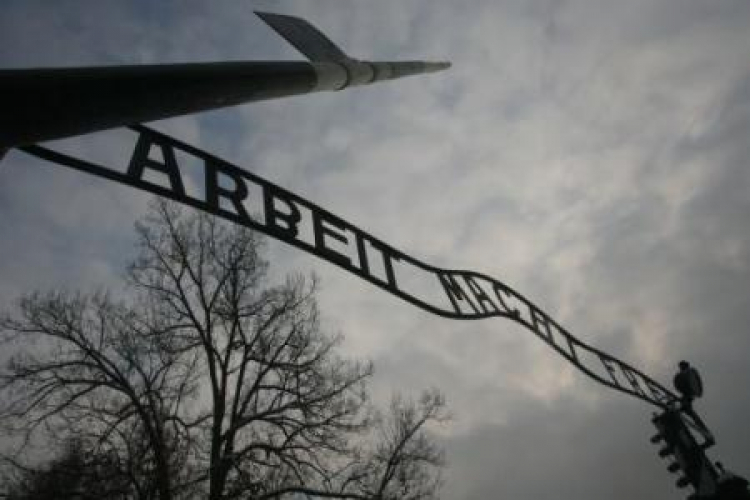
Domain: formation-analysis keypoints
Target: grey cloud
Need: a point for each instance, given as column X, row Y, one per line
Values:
column 592, row 155
column 545, row 452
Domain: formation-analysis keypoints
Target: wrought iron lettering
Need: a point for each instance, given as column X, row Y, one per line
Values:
column 465, row 294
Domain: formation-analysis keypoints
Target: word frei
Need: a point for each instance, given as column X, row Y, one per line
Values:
column 244, row 198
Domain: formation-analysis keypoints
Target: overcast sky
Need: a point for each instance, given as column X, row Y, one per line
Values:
column 591, row 154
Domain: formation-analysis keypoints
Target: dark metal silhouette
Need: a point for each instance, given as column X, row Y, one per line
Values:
column 466, row 294
column 689, row 384
column 52, row 103
column 730, row 485
column 688, row 457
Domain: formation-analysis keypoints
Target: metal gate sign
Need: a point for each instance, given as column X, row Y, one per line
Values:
column 244, row 198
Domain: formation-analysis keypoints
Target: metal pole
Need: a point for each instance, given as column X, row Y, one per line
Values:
column 44, row 104
column 49, row 103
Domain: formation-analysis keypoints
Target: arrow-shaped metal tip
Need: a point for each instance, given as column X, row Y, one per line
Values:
column 318, row 48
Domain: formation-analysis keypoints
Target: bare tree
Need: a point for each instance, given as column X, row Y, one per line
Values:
column 86, row 368
column 400, row 460
column 407, row 461
column 209, row 382
column 74, row 475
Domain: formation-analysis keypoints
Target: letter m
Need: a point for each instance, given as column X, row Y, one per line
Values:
column 455, row 293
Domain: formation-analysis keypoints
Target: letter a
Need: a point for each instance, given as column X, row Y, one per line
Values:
column 140, row 161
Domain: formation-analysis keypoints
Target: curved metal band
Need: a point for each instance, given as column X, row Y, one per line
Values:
column 468, row 295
